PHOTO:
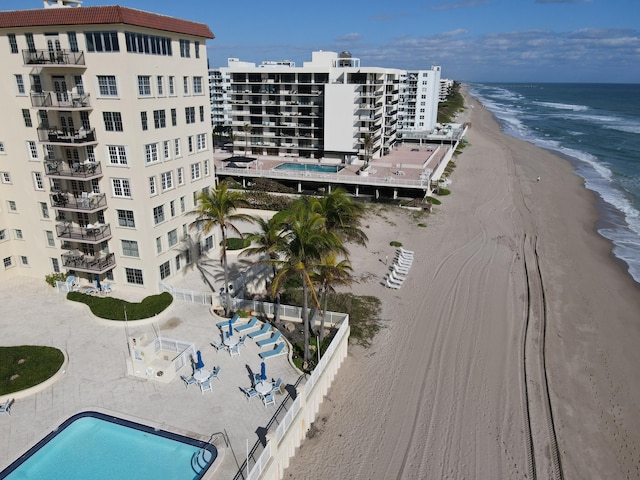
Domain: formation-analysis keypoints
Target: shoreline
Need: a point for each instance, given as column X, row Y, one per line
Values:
column 439, row 393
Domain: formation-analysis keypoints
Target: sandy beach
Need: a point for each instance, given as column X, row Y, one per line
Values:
column 514, row 337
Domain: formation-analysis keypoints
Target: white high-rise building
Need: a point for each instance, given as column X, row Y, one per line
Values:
column 105, row 141
column 419, row 100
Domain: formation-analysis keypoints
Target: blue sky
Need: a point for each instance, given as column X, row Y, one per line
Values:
column 473, row 40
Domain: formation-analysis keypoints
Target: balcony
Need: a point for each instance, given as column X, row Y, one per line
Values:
column 92, row 202
column 81, row 263
column 90, row 234
column 86, row 170
column 60, row 100
column 66, row 136
column 55, row 58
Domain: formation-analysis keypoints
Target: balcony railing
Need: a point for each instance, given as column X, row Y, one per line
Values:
column 77, row 170
column 90, row 203
column 51, row 57
column 82, row 263
column 62, row 100
column 66, row 135
column 89, row 234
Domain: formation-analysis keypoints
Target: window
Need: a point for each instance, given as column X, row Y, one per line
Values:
column 55, row 265
column 181, row 176
column 36, row 83
column 18, row 234
column 158, row 214
column 166, row 150
column 165, row 270
column 6, row 177
column 24, row 260
column 13, row 43
column 206, row 168
column 44, row 210
column 2, row 149
column 20, row 85
column 190, row 143
column 172, row 237
column 102, row 41
column 112, row 121
column 159, row 244
column 37, row 181
column 197, row 85
column 195, row 171
column 77, row 79
column 7, row 261
column 159, row 118
column 152, row 186
column 174, row 117
column 208, row 243
column 147, row 44
column 177, row 262
column 159, row 81
column 121, row 187
column 143, row 119
column 73, row 41
column 130, row 248
column 3, row 234
column 184, row 48
column 144, row 85
column 26, row 116
column 185, row 234
column 201, row 139
column 117, row 154
column 31, row 45
column 95, row 185
column 12, row 206
column 176, row 147
column 107, row 86
column 172, row 208
column 151, row 152
column 134, row 275
column 190, row 114
column 172, row 90
column 166, row 181
column 50, row 238
column 196, row 47
column 201, row 113
column 185, row 85
column 33, row 150
column 125, row 218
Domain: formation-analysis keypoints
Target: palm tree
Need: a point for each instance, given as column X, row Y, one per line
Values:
column 217, row 207
column 342, row 215
column 246, row 128
column 330, row 273
column 367, row 143
column 305, row 242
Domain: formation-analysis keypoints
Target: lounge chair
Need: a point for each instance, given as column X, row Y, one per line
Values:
column 403, row 263
column 233, row 320
column 278, row 350
column 272, row 339
column 408, row 253
column 249, row 392
column 234, row 351
column 396, row 278
column 393, row 279
column 215, row 373
column 242, row 341
column 257, row 378
column 106, row 288
column 218, row 346
column 206, row 386
column 269, row 399
column 187, row 380
column 6, row 406
column 395, row 286
column 276, row 386
column 247, row 326
column 263, row 331
column 400, row 270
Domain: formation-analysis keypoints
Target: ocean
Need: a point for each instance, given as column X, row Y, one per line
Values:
column 597, row 128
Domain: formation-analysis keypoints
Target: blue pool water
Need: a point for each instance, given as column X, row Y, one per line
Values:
column 309, row 167
column 94, row 446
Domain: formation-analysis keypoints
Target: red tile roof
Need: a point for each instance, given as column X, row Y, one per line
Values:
column 101, row 15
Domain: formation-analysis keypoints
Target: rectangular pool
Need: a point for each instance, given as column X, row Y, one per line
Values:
column 95, row 446
column 309, row 167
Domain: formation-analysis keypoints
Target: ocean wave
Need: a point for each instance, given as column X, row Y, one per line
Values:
column 563, row 106
column 608, row 121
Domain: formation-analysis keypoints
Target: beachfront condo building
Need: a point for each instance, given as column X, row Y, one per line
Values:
column 331, row 107
column 105, row 141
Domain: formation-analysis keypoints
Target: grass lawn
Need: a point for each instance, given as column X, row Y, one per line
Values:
column 27, row 365
column 112, row 308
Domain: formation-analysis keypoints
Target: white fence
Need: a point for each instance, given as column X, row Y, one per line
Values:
column 193, row 296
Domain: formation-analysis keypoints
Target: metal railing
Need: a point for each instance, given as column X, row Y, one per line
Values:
column 66, row 201
column 82, row 263
column 93, row 234
column 52, row 57
column 66, row 135
column 84, row 170
column 63, row 100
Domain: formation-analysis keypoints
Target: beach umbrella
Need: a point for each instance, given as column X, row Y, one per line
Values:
column 230, row 329
column 263, row 371
column 199, row 364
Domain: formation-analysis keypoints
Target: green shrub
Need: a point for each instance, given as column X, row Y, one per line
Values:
column 114, row 308
column 236, row 243
column 422, row 224
column 433, row 201
column 52, row 278
column 25, row 366
column 443, row 191
column 395, row 244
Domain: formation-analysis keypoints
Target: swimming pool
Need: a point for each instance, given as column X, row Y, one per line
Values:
column 100, row 447
column 309, row 167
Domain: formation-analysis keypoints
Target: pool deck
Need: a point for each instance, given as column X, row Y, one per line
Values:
column 95, row 377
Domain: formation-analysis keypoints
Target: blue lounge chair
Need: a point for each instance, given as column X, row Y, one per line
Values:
column 249, row 392
column 187, row 380
column 233, row 320
column 263, row 331
column 269, row 399
column 278, row 350
column 271, row 340
column 215, row 373
column 276, row 386
column 242, row 341
column 247, row 326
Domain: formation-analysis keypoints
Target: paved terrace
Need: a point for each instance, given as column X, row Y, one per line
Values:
column 95, row 376
column 406, row 167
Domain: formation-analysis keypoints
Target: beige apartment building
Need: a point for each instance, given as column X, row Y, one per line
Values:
column 105, row 139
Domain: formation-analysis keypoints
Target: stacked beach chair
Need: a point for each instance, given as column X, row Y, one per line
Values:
column 400, row 269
